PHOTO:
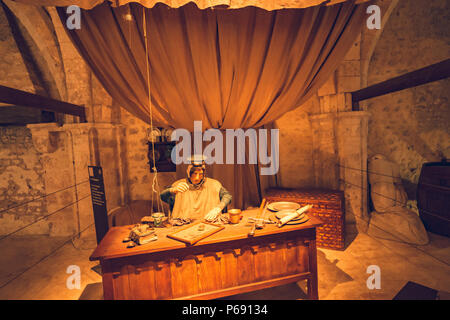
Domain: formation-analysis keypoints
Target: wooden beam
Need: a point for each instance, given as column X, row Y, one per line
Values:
column 412, row 79
column 27, row 99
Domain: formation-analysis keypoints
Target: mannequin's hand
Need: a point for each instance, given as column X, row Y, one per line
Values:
column 181, row 187
column 213, row 214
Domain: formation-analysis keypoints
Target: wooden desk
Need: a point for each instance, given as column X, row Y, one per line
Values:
column 226, row 263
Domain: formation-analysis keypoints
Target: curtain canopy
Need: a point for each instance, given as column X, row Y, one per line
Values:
column 230, row 69
column 202, row 4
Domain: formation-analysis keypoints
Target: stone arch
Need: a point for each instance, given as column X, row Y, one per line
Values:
column 38, row 25
column 370, row 39
column 68, row 74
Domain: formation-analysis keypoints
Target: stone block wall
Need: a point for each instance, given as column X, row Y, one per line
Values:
column 139, row 178
column 411, row 127
column 12, row 66
column 21, row 180
column 296, row 147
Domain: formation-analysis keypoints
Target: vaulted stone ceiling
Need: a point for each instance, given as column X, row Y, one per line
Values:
column 30, row 59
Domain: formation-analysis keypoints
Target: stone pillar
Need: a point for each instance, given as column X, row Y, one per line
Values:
column 325, row 153
column 58, row 174
column 352, row 132
column 67, row 151
column 324, row 124
column 340, row 138
column 97, row 144
column 340, row 158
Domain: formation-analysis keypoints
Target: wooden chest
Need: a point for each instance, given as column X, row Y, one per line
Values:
column 433, row 197
column 328, row 206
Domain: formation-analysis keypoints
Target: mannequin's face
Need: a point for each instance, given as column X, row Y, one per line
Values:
column 197, row 176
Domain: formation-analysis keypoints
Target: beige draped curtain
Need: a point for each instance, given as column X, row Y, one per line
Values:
column 202, row 4
column 229, row 68
column 243, row 180
column 232, row 69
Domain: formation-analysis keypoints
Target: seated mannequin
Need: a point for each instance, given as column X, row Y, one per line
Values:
column 196, row 197
column 392, row 219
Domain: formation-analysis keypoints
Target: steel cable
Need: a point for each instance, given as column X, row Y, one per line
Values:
column 388, row 232
column 370, row 172
column 371, row 191
column 45, row 257
column 41, row 218
column 41, row 197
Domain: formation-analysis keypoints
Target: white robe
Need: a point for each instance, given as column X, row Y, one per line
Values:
column 196, row 203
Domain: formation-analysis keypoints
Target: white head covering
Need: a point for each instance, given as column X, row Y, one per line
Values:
column 196, row 161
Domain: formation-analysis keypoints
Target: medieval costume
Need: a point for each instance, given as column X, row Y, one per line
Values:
column 196, row 197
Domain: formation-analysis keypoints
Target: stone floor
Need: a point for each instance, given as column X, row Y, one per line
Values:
column 342, row 274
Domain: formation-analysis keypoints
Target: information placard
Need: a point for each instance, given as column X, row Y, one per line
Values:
column 98, row 201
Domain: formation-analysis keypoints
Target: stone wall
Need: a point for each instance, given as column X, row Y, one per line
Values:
column 139, row 178
column 296, row 147
column 411, row 127
column 13, row 71
column 21, row 180
column 63, row 152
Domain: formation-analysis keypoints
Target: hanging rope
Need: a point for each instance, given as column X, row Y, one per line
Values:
column 130, row 17
column 155, row 183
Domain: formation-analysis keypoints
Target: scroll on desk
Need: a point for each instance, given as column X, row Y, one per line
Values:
column 293, row 215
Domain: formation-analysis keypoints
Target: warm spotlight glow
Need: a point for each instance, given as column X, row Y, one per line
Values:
column 128, row 17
